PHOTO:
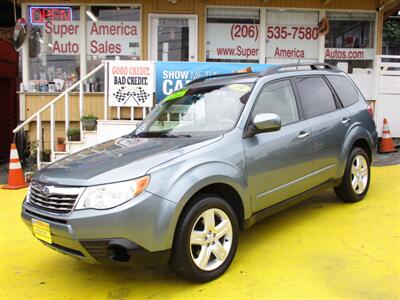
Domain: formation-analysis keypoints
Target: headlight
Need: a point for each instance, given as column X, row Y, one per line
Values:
column 111, row 195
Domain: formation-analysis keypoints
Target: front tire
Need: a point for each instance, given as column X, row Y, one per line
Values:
column 206, row 239
column 356, row 178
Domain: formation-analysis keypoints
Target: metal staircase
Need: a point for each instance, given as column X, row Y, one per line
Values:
column 87, row 138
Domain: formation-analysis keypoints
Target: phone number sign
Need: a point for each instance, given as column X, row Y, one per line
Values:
column 292, row 35
column 233, row 41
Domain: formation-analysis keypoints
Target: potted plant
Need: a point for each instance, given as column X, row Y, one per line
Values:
column 60, row 146
column 45, row 155
column 89, row 122
column 74, row 134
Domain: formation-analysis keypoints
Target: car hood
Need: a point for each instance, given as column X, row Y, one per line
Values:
column 118, row 160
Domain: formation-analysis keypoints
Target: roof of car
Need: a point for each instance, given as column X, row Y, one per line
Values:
column 249, row 77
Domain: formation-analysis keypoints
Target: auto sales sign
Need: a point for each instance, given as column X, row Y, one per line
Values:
column 103, row 37
column 131, row 83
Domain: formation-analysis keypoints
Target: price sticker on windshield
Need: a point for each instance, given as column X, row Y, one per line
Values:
column 175, row 95
column 243, row 88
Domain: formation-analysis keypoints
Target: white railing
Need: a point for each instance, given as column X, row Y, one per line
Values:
column 387, row 82
column 51, row 105
column 37, row 116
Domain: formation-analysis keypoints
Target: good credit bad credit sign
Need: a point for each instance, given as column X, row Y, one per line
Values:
column 131, row 83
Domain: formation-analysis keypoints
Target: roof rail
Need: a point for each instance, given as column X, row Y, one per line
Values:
column 201, row 79
column 312, row 66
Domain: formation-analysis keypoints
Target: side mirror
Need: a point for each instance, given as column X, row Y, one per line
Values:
column 265, row 122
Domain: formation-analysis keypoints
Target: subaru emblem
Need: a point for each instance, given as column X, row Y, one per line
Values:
column 45, row 191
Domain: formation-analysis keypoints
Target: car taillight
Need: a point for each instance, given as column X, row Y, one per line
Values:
column 370, row 111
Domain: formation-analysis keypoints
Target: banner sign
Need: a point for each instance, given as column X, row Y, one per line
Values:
column 349, row 53
column 103, row 37
column 172, row 76
column 232, row 41
column 292, row 35
column 131, row 83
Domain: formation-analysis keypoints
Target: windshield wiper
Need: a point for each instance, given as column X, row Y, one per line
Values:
column 168, row 135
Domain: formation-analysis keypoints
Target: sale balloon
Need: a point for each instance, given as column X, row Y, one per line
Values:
column 20, row 32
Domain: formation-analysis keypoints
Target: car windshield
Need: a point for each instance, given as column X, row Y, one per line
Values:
column 196, row 111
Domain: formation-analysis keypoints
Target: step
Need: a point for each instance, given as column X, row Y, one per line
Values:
column 60, row 154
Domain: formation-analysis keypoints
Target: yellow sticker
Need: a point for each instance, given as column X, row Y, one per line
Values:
column 175, row 95
column 243, row 88
column 41, row 230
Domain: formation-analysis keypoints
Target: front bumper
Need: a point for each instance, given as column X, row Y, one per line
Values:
column 143, row 226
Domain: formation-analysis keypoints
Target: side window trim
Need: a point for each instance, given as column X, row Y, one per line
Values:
column 299, row 109
column 339, row 104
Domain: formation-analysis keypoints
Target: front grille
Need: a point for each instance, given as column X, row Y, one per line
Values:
column 52, row 198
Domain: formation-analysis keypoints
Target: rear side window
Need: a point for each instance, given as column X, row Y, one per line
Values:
column 316, row 96
column 347, row 93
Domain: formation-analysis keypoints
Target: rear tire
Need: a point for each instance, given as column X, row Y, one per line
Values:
column 356, row 178
column 206, row 239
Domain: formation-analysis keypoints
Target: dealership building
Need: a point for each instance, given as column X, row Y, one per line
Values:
column 68, row 40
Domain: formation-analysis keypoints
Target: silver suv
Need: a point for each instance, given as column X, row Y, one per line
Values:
column 208, row 161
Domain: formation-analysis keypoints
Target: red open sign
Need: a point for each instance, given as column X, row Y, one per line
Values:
column 39, row 15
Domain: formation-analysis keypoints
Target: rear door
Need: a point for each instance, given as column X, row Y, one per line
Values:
column 329, row 123
column 278, row 162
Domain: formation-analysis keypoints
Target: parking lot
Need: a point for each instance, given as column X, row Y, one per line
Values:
column 321, row 248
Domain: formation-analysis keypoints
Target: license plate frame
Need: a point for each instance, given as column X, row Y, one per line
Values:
column 41, row 230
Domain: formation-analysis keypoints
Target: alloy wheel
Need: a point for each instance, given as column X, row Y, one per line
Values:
column 211, row 239
column 359, row 174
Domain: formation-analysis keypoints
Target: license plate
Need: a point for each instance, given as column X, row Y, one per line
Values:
column 41, row 230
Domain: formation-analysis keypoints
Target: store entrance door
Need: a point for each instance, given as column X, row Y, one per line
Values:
column 172, row 37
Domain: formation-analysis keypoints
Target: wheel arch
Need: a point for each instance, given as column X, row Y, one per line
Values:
column 227, row 193
column 357, row 137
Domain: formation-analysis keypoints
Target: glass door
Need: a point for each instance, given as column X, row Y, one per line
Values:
column 173, row 37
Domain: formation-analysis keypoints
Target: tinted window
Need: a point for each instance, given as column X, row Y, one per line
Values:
column 278, row 98
column 316, row 97
column 345, row 90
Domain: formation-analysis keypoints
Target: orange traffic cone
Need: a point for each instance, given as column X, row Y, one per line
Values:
column 386, row 145
column 15, row 174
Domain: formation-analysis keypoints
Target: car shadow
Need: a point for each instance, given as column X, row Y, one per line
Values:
column 162, row 276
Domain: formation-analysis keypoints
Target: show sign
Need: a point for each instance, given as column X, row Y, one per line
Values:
column 232, row 41
column 172, row 76
column 103, row 37
column 292, row 36
column 131, row 83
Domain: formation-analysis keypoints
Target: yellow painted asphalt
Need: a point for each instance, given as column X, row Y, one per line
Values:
column 320, row 249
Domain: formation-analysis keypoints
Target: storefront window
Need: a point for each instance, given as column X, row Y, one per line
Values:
column 350, row 40
column 292, row 36
column 53, row 47
column 113, row 32
column 233, row 35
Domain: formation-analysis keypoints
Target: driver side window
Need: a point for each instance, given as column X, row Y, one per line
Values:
column 278, row 98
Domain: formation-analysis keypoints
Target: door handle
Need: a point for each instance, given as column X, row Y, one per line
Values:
column 345, row 120
column 303, row 134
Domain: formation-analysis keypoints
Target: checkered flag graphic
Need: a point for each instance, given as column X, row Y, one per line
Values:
column 140, row 95
column 122, row 94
